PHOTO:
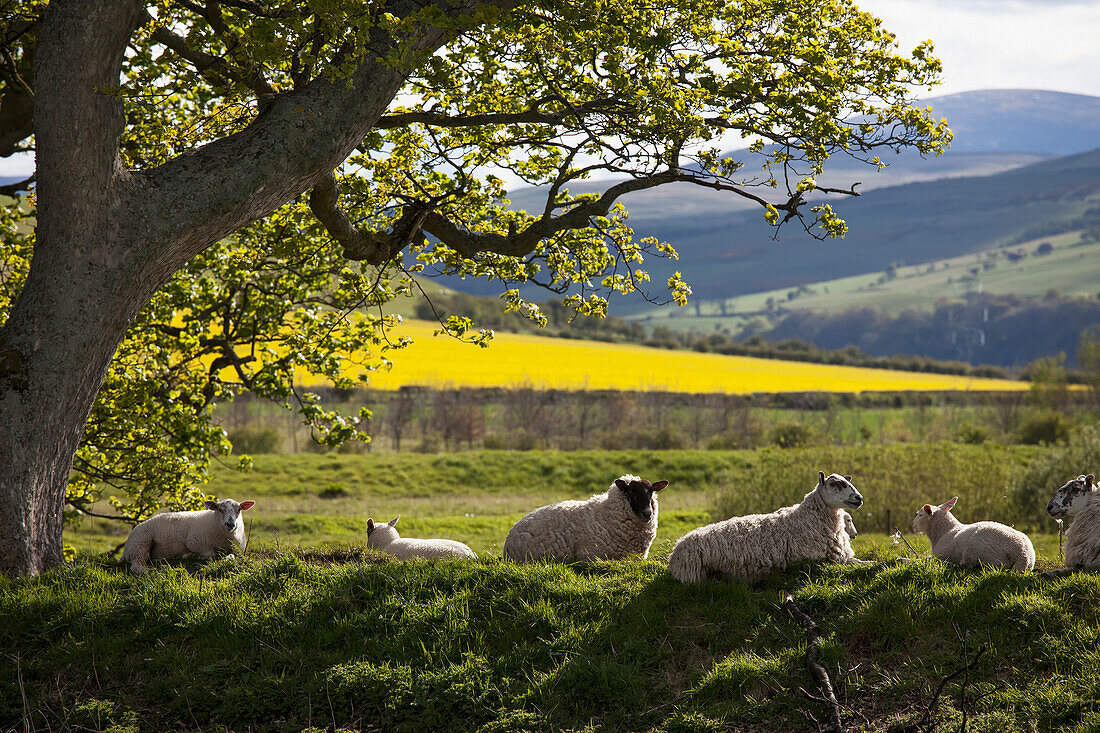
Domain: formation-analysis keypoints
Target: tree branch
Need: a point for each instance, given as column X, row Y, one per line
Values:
column 360, row 244
column 532, row 115
column 13, row 188
column 212, row 68
column 813, row 652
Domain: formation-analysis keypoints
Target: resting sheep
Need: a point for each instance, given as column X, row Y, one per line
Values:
column 849, row 525
column 981, row 543
column 1080, row 498
column 615, row 524
column 384, row 537
column 750, row 548
column 174, row 534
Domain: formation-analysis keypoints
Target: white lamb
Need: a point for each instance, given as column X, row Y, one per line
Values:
column 384, row 537
column 615, row 524
column 175, row 534
column 849, row 525
column 1080, row 498
column 750, row 548
column 982, row 543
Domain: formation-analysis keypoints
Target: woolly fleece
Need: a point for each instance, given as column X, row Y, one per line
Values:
column 174, row 534
column 982, row 543
column 750, row 548
column 385, row 537
column 603, row 527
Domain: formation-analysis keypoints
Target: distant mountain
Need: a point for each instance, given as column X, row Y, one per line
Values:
column 1020, row 120
column 727, row 252
column 1001, row 178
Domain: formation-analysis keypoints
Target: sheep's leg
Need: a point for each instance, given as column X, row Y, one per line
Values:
column 857, row 561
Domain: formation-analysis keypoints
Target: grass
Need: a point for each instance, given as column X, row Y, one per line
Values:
column 307, row 640
column 475, row 496
column 542, row 362
column 308, row 630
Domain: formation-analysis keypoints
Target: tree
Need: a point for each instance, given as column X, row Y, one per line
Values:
column 176, row 130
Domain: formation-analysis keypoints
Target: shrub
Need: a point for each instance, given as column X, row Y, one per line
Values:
column 792, row 435
column 254, row 439
column 972, row 434
column 1031, row 489
column 1046, row 427
column 333, row 491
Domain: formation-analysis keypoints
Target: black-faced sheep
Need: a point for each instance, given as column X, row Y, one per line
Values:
column 618, row 523
column 1079, row 498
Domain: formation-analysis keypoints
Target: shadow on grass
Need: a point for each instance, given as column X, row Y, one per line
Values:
column 348, row 638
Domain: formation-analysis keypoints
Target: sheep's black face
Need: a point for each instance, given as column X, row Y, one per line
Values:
column 639, row 493
column 1072, row 497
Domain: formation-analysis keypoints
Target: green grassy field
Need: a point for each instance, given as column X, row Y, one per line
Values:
column 475, row 496
column 350, row 640
column 308, row 630
column 1072, row 268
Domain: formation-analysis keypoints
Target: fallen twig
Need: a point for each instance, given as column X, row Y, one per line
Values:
column 927, row 717
column 821, row 677
column 900, row 536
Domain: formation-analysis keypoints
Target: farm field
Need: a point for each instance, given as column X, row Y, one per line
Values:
column 475, row 496
column 308, row 630
column 1073, row 268
column 524, row 360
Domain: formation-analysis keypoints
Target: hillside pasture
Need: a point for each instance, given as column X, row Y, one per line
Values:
column 309, row 630
column 1072, row 268
column 475, row 496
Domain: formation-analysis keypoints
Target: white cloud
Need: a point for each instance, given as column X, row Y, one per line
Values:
column 1002, row 44
column 20, row 164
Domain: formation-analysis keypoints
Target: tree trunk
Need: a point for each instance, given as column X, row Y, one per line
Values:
column 107, row 238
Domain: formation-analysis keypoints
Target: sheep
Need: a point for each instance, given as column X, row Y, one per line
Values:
column 981, row 543
column 175, row 534
column 384, row 537
column 615, row 524
column 749, row 548
column 849, row 525
column 1079, row 497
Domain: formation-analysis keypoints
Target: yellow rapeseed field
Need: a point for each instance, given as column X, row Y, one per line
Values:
column 541, row 362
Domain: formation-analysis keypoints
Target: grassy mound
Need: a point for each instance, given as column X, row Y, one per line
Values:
column 310, row 639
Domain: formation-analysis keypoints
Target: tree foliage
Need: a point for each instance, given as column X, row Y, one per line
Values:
column 549, row 93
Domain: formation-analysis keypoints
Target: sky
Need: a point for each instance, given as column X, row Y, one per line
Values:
column 984, row 44
column 1002, row 44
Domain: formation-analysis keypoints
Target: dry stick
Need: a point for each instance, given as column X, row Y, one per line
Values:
column 897, row 532
column 939, row 690
column 27, row 727
column 813, row 649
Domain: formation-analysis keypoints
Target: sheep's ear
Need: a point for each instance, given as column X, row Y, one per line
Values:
column 949, row 504
column 211, row 505
column 622, row 484
column 393, row 522
column 660, row 485
column 848, row 479
column 820, row 478
column 246, row 505
column 370, row 526
column 927, row 509
column 1090, row 481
